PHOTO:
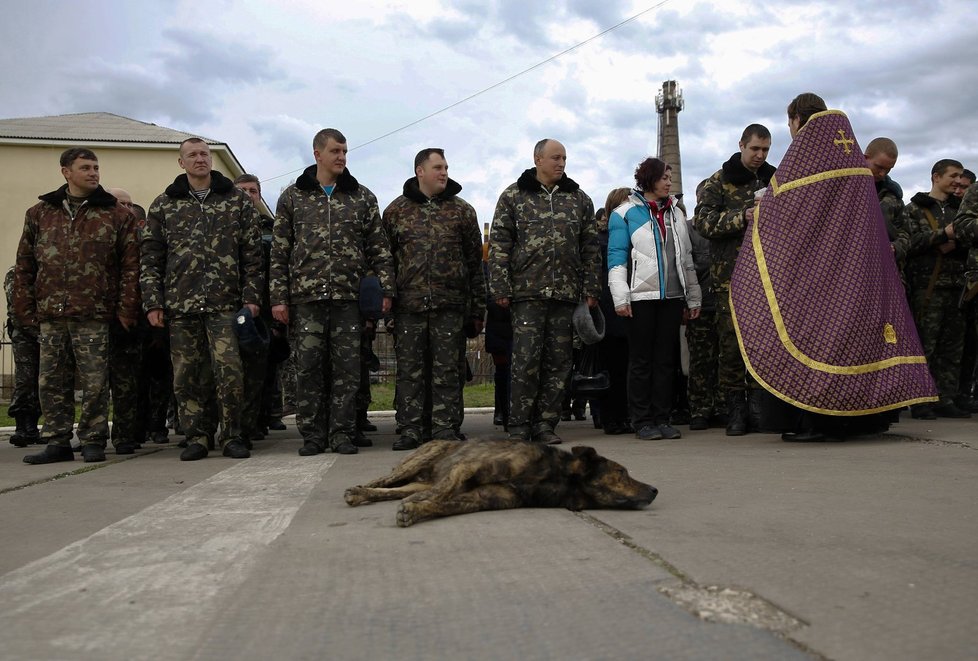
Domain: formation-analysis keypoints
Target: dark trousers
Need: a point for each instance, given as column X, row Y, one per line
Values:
column 614, row 402
column 653, row 348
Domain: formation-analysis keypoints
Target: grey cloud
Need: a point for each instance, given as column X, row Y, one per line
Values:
column 183, row 84
column 286, row 137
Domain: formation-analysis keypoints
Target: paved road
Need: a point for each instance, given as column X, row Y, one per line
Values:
column 755, row 549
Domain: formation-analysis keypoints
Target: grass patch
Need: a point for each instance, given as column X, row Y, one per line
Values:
column 477, row 395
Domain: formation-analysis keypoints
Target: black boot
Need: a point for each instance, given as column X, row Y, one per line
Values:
column 736, row 413
column 19, row 437
column 805, row 431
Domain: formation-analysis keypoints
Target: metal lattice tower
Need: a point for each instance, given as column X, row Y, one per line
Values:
column 668, row 103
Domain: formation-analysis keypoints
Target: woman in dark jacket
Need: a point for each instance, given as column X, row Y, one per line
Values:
column 613, row 349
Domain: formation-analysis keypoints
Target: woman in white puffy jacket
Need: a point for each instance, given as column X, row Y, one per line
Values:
column 653, row 282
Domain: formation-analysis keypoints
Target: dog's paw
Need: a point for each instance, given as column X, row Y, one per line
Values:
column 405, row 516
column 354, row 496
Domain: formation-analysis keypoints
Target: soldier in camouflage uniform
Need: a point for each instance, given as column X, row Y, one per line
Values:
column 77, row 270
column 24, row 407
column 881, row 155
column 201, row 259
column 722, row 210
column 969, row 305
column 543, row 259
column 935, row 273
column 705, row 399
column 437, row 249
column 125, row 366
column 257, row 366
column 327, row 236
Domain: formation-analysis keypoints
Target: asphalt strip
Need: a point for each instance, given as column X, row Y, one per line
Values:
column 162, row 569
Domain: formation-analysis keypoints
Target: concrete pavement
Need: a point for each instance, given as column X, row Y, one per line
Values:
column 754, row 549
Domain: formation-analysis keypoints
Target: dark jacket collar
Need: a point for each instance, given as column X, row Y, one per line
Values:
column 412, row 191
column 181, row 185
column 738, row 175
column 923, row 199
column 888, row 185
column 528, row 183
column 99, row 197
column 346, row 182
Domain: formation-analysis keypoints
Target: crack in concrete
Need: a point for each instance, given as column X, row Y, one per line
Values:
column 714, row 603
column 79, row 471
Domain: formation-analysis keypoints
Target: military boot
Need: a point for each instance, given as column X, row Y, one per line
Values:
column 19, row 437
column 736, row 414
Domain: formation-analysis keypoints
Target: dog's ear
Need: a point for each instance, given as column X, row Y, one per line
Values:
column 583, row 460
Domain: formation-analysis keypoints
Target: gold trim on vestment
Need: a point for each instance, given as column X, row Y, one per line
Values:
column 815, row 178
column 814, row 409
column 786, row 341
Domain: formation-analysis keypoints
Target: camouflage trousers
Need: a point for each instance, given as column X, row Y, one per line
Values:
column 427, row 351
column 704, row 396
column 74, row 356
column 731, row 371
column 26, row 350
column 327, row 358
column 940, row 324
column 206, row 368
column 255, row 370
column 125, row 375
column 543, row 346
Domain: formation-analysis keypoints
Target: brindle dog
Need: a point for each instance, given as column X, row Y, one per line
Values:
column 450, row 477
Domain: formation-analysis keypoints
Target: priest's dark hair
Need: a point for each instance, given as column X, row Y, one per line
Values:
column 804, row 106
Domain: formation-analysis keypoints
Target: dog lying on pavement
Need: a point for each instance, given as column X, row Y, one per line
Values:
column 443, row 478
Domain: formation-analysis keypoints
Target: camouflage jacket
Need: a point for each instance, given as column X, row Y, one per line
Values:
column 719, row 216
column 895, row 214
column 966, row 233
column 84, row 266
column 201, row 256
column 966, row 221
column 544, row 245
column 925, row 244
column 324, row 245
column 437, row 248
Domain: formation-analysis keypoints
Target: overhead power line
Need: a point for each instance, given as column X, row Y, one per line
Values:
column 498, row 84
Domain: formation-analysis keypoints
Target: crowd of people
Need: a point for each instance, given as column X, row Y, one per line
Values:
column 782, row 282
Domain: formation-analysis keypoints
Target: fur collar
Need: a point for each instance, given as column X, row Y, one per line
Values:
column 925, row 200
column 346, row 182
column 735, row 172
column 413, row 192
column 181, row 185
column 99, row 197
column 528, row 183
column 890, row 186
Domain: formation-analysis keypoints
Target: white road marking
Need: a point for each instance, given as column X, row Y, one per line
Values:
column 146, row 586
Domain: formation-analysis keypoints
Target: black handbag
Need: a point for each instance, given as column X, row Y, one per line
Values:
column 589, row 378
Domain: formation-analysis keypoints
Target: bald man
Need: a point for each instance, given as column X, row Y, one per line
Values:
column 543, row 261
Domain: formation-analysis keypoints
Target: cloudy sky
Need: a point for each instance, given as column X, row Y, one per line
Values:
column 264, row 77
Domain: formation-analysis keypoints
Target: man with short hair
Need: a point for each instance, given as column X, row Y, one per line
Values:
column 935, row 273
column 201, row 261
column 881, row 156
column 964, row 183
column 437, row 249
column 723, row 206
column 327, row 237
column 262, row 408
column 543, row 261
column 77, row 271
